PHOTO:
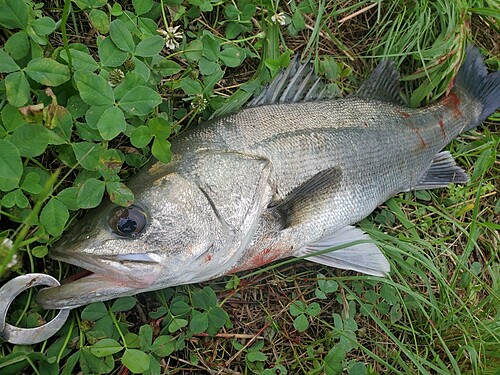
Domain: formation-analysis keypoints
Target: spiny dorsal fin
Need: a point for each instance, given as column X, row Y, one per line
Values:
column 383, row 84
column 297, row 83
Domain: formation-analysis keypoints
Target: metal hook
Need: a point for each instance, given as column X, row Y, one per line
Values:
column 27, row 336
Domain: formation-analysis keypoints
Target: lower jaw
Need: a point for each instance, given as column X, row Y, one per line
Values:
column 79, row 290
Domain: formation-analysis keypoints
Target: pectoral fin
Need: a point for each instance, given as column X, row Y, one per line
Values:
column 307, row 199
column 363, row 257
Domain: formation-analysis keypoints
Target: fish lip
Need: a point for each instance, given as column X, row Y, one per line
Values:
column 78, row 260
column 98, row 265
column 90, row 257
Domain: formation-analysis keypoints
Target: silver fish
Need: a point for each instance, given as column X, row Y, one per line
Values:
column 288, row 176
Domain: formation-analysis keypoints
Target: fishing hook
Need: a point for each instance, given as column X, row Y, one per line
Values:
column 27, row 336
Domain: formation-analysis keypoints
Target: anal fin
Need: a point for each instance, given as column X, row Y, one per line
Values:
column 443, row 171
column 363, row 257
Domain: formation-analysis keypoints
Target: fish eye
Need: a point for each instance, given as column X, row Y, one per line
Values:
column 127, row 221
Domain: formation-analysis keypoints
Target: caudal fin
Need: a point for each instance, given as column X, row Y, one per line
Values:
column 483, row 86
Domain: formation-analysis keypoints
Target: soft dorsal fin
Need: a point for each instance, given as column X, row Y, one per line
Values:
column 383, row 84
column 296, row 83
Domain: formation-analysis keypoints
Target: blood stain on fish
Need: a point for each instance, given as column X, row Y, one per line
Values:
column 452, row 101
column 441, row 126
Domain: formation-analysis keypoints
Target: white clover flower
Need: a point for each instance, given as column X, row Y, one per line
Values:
column 199, row 102
column 116, row 76
column 12, row 262
column 279, row 18
column 7, row 243
column 170, row 35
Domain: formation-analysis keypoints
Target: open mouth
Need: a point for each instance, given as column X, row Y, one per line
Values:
column 101, row 278
column 76, row 276
column 139, row 269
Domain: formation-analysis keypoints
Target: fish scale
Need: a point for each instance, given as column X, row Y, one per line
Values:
column 297, row 155
column 287, row 117
column 288, row 176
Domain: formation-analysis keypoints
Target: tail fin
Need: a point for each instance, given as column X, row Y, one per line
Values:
column 475, row 79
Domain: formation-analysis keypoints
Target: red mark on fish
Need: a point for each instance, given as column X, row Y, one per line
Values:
column 452, row 102
column 441, row 126
column 417, row 132
column 422, row 141
column 404, row 114
column 260, row 259
column 264, row 257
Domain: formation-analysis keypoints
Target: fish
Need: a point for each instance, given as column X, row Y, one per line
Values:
column 287, row 176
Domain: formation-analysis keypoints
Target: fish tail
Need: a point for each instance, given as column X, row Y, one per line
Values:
column 474, row 79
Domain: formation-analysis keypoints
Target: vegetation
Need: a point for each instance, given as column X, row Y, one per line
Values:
column 90, row 89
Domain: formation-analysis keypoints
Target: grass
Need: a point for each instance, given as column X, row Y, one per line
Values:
column 436, row 313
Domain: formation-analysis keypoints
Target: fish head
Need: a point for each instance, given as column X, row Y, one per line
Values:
column 168, row 236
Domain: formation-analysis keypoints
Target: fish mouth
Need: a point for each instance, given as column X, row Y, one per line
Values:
column 102, row 278
column 76, row 276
